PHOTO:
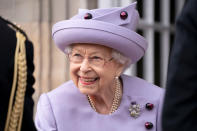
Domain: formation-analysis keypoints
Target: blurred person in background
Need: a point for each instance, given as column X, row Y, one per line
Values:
column 180, row 106
column 16, row 79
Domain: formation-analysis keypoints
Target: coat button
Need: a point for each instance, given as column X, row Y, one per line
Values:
column 149, row 106
column 149, row 125
column 123, row 15
column 88, row 16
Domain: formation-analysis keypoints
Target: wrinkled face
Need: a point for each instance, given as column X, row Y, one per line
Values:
column 92, row 68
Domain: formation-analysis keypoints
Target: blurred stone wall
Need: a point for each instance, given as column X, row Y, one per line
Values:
column 36, row 17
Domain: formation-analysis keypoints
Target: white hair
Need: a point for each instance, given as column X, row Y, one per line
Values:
column 120, row 58
column 116, row 55
column 68, row 49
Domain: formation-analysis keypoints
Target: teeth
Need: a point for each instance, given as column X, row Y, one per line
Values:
column 88, row 80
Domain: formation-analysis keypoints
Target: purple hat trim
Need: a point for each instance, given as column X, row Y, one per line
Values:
column 105, row 27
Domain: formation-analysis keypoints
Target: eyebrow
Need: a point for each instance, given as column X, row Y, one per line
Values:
column 92, row 53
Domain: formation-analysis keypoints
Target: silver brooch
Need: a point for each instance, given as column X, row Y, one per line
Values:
column 134, row 110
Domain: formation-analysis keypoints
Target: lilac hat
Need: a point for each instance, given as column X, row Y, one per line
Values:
column 114, row 27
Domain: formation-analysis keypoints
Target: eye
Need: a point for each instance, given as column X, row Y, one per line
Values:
column 77, row 55
column 96, row 58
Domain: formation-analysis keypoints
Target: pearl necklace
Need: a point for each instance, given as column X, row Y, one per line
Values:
column 116, row 99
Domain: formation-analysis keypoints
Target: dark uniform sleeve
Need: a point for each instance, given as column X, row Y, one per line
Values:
column 7, row 52
column 180, row 106
column 7, row 48
column 28, row 123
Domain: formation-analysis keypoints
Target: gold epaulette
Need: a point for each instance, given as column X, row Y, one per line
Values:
column 17, row 97
column 14, row 26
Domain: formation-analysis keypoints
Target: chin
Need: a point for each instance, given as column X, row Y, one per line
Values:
column 86, row 91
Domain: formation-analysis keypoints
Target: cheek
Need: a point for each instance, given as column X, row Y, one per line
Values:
column 73, row 73
column 106, row 78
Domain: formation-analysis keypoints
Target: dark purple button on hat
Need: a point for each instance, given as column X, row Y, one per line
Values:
column 149, row 125
column 123, row 15
column 149, row 106
column 88, row 16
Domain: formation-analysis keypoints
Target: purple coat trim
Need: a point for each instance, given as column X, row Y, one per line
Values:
column 66, row 109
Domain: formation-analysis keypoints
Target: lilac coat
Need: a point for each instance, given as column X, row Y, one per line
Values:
column 66, row 109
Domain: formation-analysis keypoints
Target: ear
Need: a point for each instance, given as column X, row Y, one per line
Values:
column 120, row 69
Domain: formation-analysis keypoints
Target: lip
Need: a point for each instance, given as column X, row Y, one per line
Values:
column 84, row 77
column 85, row 82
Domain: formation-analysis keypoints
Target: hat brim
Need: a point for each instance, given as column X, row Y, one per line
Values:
column 120, row 38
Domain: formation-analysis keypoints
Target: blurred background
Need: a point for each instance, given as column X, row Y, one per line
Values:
column 36, row 17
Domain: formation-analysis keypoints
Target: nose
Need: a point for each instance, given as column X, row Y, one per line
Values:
column 85, row 67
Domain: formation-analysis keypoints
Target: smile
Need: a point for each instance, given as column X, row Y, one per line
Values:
column 87, row 81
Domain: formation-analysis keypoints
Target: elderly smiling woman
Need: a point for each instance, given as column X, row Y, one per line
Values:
column 100, row 45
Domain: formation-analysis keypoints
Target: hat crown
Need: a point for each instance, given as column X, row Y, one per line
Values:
column 112, row 16
column 112, row 27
